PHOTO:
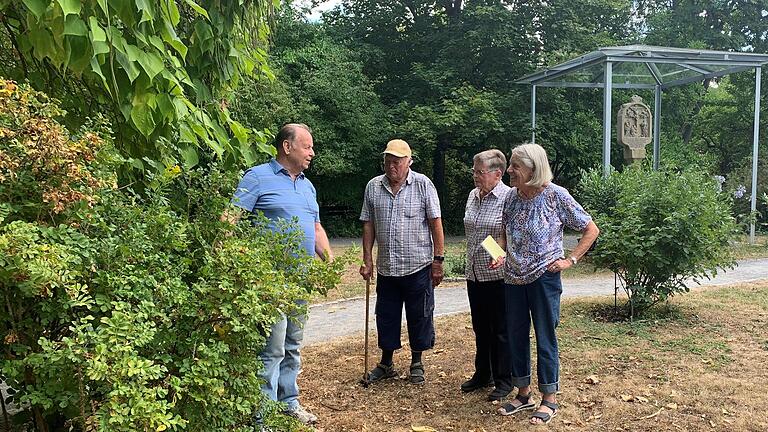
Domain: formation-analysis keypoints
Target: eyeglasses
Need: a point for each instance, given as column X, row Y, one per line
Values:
column 475, row 172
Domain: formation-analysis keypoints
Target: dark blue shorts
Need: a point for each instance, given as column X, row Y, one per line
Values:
column 418, row 295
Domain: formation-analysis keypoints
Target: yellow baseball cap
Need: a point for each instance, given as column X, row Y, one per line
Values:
column 399, row 148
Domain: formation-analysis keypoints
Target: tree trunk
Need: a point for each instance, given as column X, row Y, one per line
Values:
column 438, row 163
column 453, row 8
column 39, row 419
column 688, row 127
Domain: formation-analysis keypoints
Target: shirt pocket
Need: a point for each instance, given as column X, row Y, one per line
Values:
column 415, row 211
column 415, row 220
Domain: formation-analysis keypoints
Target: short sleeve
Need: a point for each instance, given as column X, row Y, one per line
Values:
column 247, row 193
column 314, row 195
column 469, row 202
column 571, row 213
column 432, row 200
column 366, row 214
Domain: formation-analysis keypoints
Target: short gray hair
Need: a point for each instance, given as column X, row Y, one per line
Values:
column 534, row 157
column 288, row 133
column 492, row 159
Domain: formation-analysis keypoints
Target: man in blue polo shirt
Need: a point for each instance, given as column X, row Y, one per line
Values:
column 280, row 190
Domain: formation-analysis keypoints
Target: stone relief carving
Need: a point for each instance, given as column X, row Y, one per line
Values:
column 634, row 129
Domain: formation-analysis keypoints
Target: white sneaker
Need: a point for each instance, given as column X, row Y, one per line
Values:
column 302, row 415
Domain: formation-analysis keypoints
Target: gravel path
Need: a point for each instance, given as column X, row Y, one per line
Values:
column 344, row 317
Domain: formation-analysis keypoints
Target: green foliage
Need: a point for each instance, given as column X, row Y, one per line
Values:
column 159, row 69
column 455, row 264
column 143, row 313
column 446, row 69
column 44, row 171
column 658, row 230
column 320, row 83
column 678, row 156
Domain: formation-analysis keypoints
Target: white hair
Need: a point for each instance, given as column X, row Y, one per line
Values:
column 492, row 159
column 534, row 157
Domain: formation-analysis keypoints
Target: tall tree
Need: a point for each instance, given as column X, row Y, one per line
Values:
column 320, row 82
column 447, row 69
column 697, row 113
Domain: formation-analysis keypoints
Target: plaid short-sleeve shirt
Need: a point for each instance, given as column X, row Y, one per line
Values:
column 400, row 220
column 482, row 218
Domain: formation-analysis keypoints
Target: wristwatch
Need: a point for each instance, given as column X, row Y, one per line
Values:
column 573, row 259
column 438, row 258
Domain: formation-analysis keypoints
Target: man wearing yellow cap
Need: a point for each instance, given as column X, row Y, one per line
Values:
column 401, row 212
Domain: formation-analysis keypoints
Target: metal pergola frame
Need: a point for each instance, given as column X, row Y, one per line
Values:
column 680, row 66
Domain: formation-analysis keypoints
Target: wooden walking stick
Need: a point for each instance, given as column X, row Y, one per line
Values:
column 365, row 380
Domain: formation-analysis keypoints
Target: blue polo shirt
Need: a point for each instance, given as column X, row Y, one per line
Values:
column 269, row 188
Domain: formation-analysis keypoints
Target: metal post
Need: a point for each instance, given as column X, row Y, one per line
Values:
column 533, row 114
column 755, row 137
column 607, row 90
column 656, row 127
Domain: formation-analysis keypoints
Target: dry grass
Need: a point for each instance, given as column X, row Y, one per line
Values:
column 743, row 250
column 698, row 366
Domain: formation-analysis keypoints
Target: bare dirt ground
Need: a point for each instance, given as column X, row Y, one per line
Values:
column 698, row 365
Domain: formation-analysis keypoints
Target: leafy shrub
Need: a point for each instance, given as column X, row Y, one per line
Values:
column 455, row 263
column 657, row 230
column 738, row 183
column 133, row 312
column 677, row 155
column 43, row 170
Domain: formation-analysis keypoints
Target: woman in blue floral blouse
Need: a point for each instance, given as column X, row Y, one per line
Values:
column 534, row 216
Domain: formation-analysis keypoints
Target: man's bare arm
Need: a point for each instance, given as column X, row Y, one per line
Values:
column 322, row 244
column 438, row 239
column 369, row 235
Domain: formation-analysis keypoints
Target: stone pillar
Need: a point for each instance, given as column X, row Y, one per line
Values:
column 634, row 127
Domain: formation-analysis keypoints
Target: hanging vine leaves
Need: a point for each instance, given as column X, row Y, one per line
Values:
column 162, row 69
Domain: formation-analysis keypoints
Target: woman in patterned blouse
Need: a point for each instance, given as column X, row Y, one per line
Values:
column 485, row 287
column 533, row 218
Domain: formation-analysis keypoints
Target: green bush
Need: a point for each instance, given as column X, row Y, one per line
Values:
column 126, row 312
column 657, row 230
column 738, row 184
column 455, row 263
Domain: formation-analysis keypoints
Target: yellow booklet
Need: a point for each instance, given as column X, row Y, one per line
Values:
column 493, row 248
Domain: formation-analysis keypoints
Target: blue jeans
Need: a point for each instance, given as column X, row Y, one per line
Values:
column 538, row 301
column 282, row 361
